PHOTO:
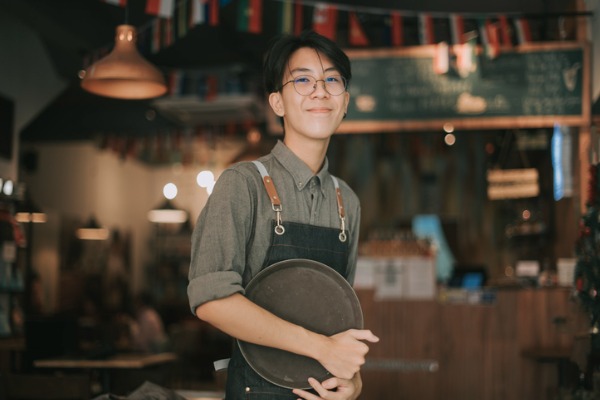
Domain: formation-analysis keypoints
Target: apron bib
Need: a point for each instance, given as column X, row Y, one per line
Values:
column 288, row 240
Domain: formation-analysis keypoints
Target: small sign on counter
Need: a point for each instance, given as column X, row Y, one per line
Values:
column 411, row 277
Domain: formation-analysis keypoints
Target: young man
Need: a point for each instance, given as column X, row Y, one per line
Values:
column 240, row 232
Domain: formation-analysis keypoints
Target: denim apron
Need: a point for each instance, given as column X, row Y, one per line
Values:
column 288, row 240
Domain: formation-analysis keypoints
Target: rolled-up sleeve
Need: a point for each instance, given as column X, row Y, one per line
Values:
column 219, row 241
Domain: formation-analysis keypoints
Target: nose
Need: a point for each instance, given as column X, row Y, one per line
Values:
column 323, row 90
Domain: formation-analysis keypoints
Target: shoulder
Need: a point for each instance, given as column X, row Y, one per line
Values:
column 347, row 193
column 244, row 171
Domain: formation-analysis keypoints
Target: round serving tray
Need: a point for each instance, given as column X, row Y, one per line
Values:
column 306, row 293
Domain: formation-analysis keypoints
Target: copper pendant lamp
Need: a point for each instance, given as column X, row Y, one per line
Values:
column 124, row 73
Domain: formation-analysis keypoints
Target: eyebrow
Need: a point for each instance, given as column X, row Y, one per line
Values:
column 305, row 70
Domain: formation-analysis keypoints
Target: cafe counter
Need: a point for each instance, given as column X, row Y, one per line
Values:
column 518, row 345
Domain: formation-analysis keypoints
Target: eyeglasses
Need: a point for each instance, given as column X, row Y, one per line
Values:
column 306, row 85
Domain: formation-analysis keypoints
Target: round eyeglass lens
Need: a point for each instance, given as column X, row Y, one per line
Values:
column 306, row 85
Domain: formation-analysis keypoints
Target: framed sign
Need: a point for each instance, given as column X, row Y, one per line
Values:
column 535, row 85
column 7, row 109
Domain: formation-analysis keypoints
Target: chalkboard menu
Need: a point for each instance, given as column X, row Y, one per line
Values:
column 532, row 86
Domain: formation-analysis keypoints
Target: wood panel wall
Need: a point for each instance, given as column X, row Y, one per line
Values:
column 479, row 348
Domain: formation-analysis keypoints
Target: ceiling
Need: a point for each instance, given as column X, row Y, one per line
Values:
column 74, row 29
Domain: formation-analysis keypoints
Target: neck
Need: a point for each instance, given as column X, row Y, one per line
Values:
column 312, row 152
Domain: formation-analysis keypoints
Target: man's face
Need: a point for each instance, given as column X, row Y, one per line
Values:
column 316, row 115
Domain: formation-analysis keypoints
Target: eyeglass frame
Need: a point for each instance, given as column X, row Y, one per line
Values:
column 315, row 86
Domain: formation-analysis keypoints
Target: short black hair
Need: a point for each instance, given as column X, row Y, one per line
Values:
column 281, row 49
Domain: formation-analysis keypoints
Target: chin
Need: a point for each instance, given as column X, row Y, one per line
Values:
column 322, row 131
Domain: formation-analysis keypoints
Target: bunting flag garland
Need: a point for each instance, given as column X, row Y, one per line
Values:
column 426, row 29
column 161, row 8
column 523, row 32
column 504, row 31
column 285, row 17
column 120, row 3
column 356, row 33
column 457, row 29
column 325, row 20
column 298, row 18
column 197, row 15
column 397, row 29
column 174, row 19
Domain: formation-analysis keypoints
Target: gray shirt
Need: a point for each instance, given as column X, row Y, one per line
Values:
column 233, row 231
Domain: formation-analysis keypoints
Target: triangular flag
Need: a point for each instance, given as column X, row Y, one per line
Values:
column 523, row 32
column 255, row 17
column 489, row 38
column 325, row 20
column 357, row 35
column 182, row 25
column 156, row 35
column 213, row 14
column 197, row 15
column 493, row 34
column 466, row 57
column 168, row 32
column 504, row 31
column 457, row 28
column 120, row 3
column 242, row 15
column 161, row 8
column 285, row 17
column 298, row 18
column 397, row 29
column 426, row 29
column 441, row 58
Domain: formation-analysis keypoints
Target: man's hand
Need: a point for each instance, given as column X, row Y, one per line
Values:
column 345, row 352
column 333, row 389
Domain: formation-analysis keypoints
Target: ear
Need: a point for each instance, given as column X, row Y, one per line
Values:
column 276, row 103
column 346, row 102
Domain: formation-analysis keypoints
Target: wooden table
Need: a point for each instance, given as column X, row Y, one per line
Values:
column 200, row 395
column 119, row 361
column 125, row 361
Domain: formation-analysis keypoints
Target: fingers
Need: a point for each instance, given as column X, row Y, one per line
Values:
column 364, row 334
column 307, row 395
column 328, row 384
column 323, row 389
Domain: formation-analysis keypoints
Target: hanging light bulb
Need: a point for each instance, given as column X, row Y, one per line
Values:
column 124, row 73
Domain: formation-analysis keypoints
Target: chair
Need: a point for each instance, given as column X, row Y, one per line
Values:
column 45, row 387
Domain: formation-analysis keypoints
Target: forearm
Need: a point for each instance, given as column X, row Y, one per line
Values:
column 242, row 319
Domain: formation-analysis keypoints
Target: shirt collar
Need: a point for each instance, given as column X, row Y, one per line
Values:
column 300, row 172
